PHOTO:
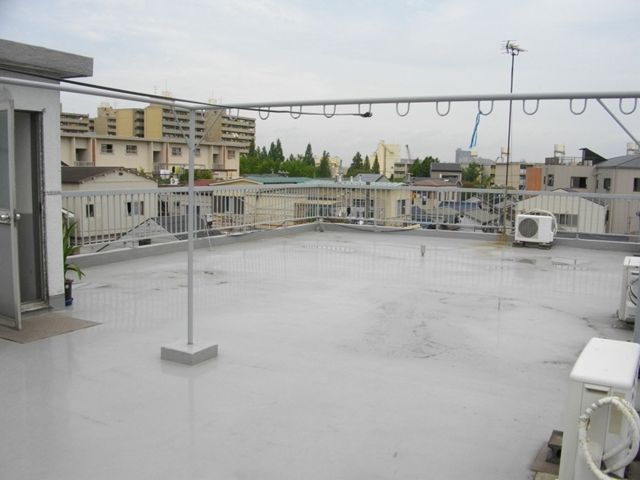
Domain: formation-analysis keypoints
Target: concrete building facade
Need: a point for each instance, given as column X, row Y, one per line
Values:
column 152, row 156
column 388, row 155
column 517, row 174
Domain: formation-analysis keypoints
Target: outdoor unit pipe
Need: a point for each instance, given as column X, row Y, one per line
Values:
column 632, row 444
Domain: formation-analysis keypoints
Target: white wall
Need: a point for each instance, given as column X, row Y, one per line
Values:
column 47, row 102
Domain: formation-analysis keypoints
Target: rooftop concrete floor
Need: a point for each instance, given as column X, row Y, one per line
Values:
column 343, row 355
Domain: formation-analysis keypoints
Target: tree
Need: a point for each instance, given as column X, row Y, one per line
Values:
column 356, row 165
column 471, row 173
column 356, row 161
column 416, row 168
column 367, row 165
column 324, row 169
column 298, row 168
column 426, row 165
column 279, row 155
column 376, row 165
column 422, row 168
column 308, row 156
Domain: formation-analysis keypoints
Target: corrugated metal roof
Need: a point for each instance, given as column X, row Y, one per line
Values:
column 446, row 167
column 624, row 161
column 80, row 174
column 274, row 180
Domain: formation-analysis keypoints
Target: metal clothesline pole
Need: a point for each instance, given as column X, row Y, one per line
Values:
column 190, row 226
column 440, row 99
column 322, row 102
column 618, row 122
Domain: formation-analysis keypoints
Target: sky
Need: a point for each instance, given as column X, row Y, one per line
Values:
column 287, row 50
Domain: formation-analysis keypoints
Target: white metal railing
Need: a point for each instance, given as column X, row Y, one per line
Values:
column 128, row 218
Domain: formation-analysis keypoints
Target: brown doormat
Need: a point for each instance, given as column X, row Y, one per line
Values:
column 44, row 325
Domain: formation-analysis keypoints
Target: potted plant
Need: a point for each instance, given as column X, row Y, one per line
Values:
column 68, row 249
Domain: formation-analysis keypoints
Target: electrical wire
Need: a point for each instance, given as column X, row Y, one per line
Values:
column 174, row 99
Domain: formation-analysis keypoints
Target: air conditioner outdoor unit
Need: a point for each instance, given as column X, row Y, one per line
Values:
column 535, row 228
column 630, row 289
column 605, row 373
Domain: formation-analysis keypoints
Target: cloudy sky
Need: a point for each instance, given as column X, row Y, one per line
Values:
column 273, row 50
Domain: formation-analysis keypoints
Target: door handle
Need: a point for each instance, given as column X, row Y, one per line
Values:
column 5, row 217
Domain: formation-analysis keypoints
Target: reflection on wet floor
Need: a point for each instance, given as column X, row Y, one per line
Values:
column 341, row 356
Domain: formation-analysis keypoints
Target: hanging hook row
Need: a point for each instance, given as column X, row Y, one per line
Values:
column 629, row 112
column 445, row 113
column 328, row 115
column 480, row 108
column 265, row 116
column 584, row 107
column 406, row 112
column 368, row 111
column 295, row 115
column 534, row 111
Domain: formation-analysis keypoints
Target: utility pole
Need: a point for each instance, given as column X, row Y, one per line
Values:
column 513, row 49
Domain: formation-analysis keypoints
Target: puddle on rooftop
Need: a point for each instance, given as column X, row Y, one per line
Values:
column 556, row 262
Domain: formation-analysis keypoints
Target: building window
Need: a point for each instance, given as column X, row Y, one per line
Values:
column 106, row 148
column 550, row 180
column 135, row 208
column 197, row 152
column 636, row 184
column 228, row 205
column 567, row 219
column 89, row 210
column 231, row 154
column 578, row 182
column 400, row 207
column 132, row 150
column 176, row 151
column 606, row 184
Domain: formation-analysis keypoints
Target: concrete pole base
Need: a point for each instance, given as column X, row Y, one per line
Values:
column 181, row 352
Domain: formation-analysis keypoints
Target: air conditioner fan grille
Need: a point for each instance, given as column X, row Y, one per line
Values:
column 528, row 227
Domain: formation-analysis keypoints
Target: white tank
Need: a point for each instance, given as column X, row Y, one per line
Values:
column 558, row 149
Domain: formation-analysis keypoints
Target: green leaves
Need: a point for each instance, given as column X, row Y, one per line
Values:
column 69, row 249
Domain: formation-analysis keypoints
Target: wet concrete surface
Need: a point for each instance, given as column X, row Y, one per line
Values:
column 342, row 355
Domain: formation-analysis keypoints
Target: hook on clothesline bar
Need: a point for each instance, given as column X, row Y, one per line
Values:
column 295, row 115
column 628, row 112
column 360, row 113
column 445, row 113
column 328, row 115
column 264, row 117
column 406, row 112
column 480, row 108
column 534, row 111
column 581, row 111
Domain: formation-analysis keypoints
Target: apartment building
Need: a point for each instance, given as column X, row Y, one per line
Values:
column 130, row 122
column 517, row 174
column 388, row 155
column 157, row 122
column 563, row 172
column 157, row 156
column 105, row 122
column 621, row 175
column 223, row 127
column 76, row 123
